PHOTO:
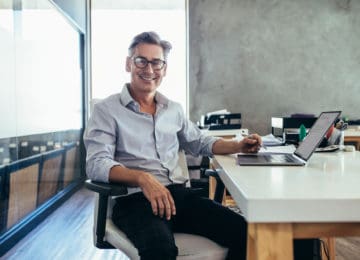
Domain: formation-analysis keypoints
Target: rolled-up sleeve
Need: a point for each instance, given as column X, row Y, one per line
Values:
column 193, row 141
column 100, row 144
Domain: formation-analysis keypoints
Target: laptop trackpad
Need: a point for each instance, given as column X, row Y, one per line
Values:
column 251, row 158
column 268, row 159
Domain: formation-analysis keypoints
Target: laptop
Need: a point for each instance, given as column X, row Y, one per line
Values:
column 301, row 154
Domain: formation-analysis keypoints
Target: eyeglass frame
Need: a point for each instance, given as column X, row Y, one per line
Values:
column 149, row 61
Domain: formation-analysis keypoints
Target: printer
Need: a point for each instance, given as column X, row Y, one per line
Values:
column 224, row 121
column 288, row 127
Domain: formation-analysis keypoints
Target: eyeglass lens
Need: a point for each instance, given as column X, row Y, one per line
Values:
column 142, row 63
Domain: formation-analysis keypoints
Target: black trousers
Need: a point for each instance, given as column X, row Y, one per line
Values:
column 153, row 236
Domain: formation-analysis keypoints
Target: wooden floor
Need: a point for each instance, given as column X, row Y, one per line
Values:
column 67, row 234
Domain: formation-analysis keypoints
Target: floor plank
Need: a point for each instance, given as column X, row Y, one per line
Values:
column 348, row 248
column 67, row 234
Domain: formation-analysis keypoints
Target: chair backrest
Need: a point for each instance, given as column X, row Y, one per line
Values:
column 184, row 167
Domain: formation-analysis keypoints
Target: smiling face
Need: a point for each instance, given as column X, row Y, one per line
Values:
column 146, row 80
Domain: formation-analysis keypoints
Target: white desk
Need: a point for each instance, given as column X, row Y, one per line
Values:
column 227, row 133
column 321, row 199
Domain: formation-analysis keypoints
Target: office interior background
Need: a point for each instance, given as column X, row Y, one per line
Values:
column 258, row 58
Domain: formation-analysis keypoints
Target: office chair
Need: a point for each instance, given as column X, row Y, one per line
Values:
column 107, row 235
column 219, row 188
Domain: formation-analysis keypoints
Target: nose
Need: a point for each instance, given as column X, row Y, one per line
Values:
column 149, row 68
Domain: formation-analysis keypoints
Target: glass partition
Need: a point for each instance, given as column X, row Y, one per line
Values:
column 41, row 109
column 7, row 73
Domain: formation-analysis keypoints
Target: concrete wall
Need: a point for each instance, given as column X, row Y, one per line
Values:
column 274, row 57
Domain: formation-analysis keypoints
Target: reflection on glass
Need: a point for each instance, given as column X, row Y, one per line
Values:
column 49, row 73
column 40, row 108
column 7, row 74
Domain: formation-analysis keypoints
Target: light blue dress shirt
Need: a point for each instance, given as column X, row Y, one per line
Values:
column 119, row 134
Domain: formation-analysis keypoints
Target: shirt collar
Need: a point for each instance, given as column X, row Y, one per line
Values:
column 126, row 99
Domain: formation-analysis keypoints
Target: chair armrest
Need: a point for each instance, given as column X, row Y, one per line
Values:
column 212, row 173
column 108, row 189
column 104, row 190
column 220, row 187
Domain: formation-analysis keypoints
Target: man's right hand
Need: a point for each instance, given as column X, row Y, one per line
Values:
column 162, row 203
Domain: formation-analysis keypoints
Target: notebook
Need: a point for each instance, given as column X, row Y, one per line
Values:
column 304, row 151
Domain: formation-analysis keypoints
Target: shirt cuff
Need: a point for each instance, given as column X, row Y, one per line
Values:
column 101, row 171
column 210, row 145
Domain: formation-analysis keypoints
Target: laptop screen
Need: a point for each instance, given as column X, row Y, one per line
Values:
column 316, row 134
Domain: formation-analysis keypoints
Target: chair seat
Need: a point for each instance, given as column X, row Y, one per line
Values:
column 190, row 246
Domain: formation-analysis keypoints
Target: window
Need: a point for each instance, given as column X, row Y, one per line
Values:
column 114, row 25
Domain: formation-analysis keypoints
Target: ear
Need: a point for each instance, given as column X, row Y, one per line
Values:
column 164, row 72
column 128, row 64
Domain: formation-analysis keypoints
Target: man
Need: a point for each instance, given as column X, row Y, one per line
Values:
column 134, row 137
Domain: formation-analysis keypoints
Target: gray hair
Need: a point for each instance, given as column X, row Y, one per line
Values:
column 151, row 38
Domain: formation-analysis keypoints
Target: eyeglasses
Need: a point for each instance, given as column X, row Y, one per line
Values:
column 141, row 63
